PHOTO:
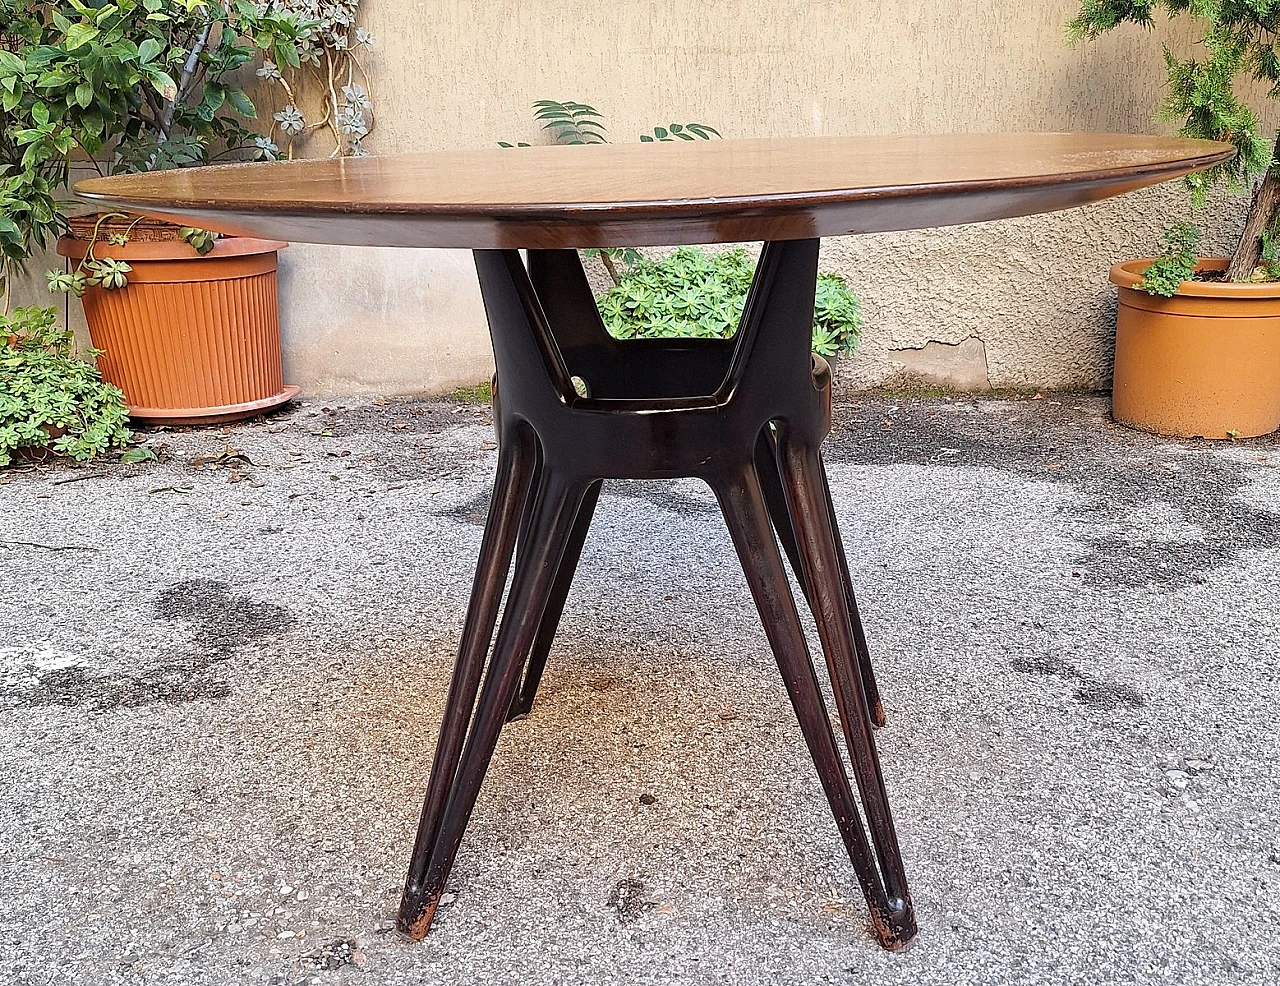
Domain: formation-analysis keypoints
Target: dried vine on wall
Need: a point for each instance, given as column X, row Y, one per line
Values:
column 332, row 77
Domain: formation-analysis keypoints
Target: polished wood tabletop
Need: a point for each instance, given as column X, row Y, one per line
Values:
column 657, row 193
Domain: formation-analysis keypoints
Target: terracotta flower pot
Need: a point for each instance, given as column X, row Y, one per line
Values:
column 191, row 339
column 1204, row 363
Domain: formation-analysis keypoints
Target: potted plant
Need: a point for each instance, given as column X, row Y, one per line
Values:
column 189, row 322
column 1198, row 338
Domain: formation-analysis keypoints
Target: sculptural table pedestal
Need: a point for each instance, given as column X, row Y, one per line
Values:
column 746, row 415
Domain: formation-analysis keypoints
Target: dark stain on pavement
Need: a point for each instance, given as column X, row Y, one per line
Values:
column 82, row 686
column 220, row 621
column 473, row 510
column 1096, row 693
column 665, row 494
column 628, row 900
column 1121, row 475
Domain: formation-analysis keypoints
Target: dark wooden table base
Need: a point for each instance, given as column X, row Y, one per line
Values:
column 747, row 415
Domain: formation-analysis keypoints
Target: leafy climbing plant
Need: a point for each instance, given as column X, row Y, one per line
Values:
column 108, row 272
column 123, row 85
column 331, row 76
column 693, row 293
column 50, row 399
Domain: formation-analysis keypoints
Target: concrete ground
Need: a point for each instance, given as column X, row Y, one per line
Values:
column 221, row 677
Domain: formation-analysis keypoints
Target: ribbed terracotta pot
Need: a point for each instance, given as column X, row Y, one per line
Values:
column 1202, row 364
column 190, row 339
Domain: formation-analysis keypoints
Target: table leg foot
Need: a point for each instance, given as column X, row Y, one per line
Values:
column 894, row 924
column 416, row 915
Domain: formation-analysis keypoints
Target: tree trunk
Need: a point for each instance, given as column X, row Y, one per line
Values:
column 609, row 266
column 1261, row 214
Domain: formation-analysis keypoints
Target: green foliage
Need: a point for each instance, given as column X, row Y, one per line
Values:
column 137, row 454
column 695, row 294
column 109, row 273
column 680, row 131
column 1176, row 262
column 49, row 399
column 577, row 123
column 1269, row 263
column 1238, row 44
column 129, row 85
column 201, row 240
column 569, row 122
column 481, row 393
column 626, row 256
column 837, row 317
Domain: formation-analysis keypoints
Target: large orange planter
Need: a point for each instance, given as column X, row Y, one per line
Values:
column 1204, row 363
column 191, row 339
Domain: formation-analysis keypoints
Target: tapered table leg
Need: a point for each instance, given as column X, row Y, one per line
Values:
column 510, row 489
column 746, row 514
column 807, row 504
column 523, row 702
column 869, row 687
column 554, row 512
column 775, row 499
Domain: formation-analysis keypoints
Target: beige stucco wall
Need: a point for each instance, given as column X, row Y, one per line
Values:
column 1026, row 298
column 1030, row 294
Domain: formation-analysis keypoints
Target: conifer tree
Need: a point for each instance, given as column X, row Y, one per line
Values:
column 1238, row 44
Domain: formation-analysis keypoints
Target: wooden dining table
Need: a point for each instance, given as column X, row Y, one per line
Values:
column 575, row 407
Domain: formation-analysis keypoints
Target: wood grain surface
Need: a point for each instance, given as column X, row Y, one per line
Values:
column 659, row 193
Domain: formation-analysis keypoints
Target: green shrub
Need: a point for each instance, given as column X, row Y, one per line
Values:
column 696, row 294
column 120, row 86
column 49, row 398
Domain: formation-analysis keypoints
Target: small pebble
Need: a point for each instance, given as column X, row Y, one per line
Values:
column 1175, row 782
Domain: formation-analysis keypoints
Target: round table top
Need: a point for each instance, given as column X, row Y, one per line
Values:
column 657, row 193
